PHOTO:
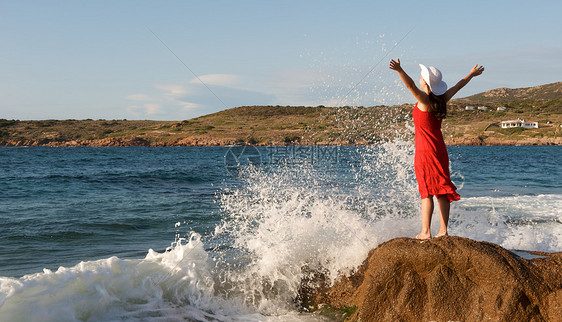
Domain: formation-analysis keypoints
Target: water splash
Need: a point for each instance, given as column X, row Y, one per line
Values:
column 173, row 285
column 337, row 87
column 288, row 220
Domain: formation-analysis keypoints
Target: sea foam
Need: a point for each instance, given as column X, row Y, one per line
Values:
column 279, row 223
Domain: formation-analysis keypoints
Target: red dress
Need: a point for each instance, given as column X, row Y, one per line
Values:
column 431, row 160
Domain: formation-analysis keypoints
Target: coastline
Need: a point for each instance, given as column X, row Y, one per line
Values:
column 208, row 142
column 313, row 125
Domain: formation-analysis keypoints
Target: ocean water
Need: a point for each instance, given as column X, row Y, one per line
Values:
column 227, row 233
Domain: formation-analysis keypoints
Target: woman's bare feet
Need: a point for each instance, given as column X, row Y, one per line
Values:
column 423, row 236
column 441, row 234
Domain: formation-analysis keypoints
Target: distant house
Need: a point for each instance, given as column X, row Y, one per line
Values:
column 501, row 108
column 469, row 108
column 483, row 108
column 520, row 123
column 530, row 125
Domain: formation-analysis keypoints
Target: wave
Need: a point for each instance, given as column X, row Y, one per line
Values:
column 530, row 222
column 175, row 285
column 279, row 223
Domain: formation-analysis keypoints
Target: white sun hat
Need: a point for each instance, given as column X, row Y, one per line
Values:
column 433, row 78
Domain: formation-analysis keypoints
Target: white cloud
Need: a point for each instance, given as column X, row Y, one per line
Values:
column 176, row 94
column 144, row 109
column 188, row 106
column 174, row 90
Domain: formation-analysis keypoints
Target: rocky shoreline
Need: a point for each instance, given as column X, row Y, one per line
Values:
column 443, row 279
column 494, row 141
column 205, row 141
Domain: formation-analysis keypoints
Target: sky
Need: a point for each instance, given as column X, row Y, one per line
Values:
column 110, row 59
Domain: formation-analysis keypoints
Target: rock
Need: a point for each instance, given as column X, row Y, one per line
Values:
column 468, row 140
column 444, row 279
column 498, row 92
column 464, row 141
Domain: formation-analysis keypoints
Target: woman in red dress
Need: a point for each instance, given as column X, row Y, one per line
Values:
column 431, row 158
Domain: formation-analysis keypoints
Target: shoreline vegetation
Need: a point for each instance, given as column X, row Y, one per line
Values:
column 320, row 125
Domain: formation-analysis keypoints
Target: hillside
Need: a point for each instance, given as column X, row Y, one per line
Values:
column 542, row 104
column 278, row 125
column 505, row 95
column 261, row 125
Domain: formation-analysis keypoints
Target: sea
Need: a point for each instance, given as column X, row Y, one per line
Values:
column 228, row 233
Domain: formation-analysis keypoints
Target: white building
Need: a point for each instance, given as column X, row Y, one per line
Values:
column 520, row 123
column 501, row 108
column 469, row 108
column 483, row 108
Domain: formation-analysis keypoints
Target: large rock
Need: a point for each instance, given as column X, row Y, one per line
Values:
column 444, row 279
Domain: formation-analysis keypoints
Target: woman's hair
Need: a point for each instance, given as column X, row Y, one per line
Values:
column 437, row 106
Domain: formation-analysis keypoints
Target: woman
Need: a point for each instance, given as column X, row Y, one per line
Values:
column 431, row 159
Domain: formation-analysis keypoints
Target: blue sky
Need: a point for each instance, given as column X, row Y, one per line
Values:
column 98, row 59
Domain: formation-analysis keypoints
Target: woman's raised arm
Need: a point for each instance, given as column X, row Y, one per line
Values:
column 475, row 71
column 420, row 95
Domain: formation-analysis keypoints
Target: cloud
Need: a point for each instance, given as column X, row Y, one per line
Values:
column 188, row 106
column 144, row 109
column 180, row 94
column 174, row 90
column 191, row 99
column 329, row 86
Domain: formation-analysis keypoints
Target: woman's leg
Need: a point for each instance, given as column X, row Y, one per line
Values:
column 427, row 211
column 444, row 207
